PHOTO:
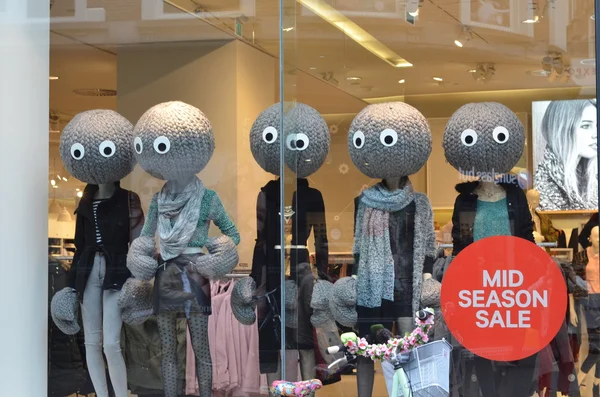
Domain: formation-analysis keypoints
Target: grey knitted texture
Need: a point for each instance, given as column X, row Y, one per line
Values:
column 486, row 154
column 140, row 259
column 64, row 309
column 265, row 138
column 291, row 304
column 243, row 304
column 221, row 259
column 95, row 147
column 381, row 122
column 307, row 140
column 320, row 301
column 343, row 301
column 135, row 301
column 173, row 141
column 431, row 293
column 423, row 244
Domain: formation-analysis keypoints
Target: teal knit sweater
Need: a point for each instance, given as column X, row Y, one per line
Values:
column 211, row 210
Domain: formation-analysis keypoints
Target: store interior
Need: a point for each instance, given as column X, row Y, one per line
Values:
column 222, row 56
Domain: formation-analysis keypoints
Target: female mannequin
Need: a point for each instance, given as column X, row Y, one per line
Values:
column 173, row 141
column 96, row 148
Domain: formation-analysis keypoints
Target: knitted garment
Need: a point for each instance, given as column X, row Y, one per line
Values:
column 140, row 258
column 549, row 181
column 178, row 214
column 372, row 242
column 491, row 219
column 291, row 304
column 389, row 140
column 265, row 138
column 343, row 301
column 135, row 301
column 320, row 302
column 64, row 309
column 307, row 140
column 173, row 141
column 222, row 258
column 242, row 302
column 483, row 137
column 95, row 147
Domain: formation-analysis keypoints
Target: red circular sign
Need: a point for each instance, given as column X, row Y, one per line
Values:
column 504, row 298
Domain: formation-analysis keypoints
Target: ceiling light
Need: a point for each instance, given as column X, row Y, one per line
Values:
column 535, row 19
column 53, row 182
column 313, row 68
column 79, row 194
column 353, row 78
column 59, row 177
column 288, row 29
column 412, row 7
column 402, row 81
column 589, row 62
column 65, row 179
column 77, row 189
column 53, row 78
column 472, row 71
column 355, row 32
column 464, row 36
column 321, row 56
column 438, row 79
column 458, row 43
column 54, row 208
column 538, row 73
column 55, row 186
column 64, row 215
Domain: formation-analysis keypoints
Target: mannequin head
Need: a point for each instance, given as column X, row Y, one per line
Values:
column 594, row 237
column 533, row 198
column 265, row 137
column 484, row 138
column 173, row 141
column 95, row 147
column 307, row 140
column 389, row 140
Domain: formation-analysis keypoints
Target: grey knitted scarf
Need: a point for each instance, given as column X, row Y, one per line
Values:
column 372, row 242
column 178, row 214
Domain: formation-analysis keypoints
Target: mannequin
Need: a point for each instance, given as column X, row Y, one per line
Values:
column 95, row 148
column 543, row 229
column 173, row 141
column 388, row 141
column 488, row 138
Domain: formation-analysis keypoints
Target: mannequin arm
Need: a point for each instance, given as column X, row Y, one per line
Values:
column 149, row 229
column 456, row 238
column 136, row 216
column 79, row 243
column 222, row 220
column 321, row 244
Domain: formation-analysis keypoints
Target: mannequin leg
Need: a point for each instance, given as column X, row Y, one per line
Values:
column 112, row 343
column 403, row 325
column 365, row 376
column 199, row 334
column 167, row 330
column 91, row 314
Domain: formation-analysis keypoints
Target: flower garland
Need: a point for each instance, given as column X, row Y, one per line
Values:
column 384, row 352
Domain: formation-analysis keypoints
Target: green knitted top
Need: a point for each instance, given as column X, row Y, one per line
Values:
column 211, row 210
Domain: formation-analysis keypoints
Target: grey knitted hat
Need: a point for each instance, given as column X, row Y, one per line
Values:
column 343, row 301
column 389, row 140
column 484, row 137
column 140, row 259
column 135, row 301
column 64, row 309
column 221, row 259
column 173, row 141
column 265, row 139
column 243, row 304
column 431, row 293
column 320, row 301
column 307, row 140
column 95, row 147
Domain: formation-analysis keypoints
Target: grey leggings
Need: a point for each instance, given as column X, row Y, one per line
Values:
column 167, row 329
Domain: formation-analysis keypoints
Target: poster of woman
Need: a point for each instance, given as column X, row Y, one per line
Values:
column 565, row 154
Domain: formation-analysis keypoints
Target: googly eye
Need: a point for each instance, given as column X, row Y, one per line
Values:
column 138, row 145
column 107, row 149
column 388, row 137
column 358, row 139
column 290, row 141
column 302, row 142
column 468, row 137
column 270, row 135
column 77, row 151
column 162, row 145
column 500, row 134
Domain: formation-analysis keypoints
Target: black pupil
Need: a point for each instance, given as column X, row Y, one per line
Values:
column 77, row 153
column 162, row 147
column 300, row 144
column 269, row 136
column 469, row 139
column 389, row 140
column 501, row 137
column 358, row 141
column 107, row 151
column 138, row 147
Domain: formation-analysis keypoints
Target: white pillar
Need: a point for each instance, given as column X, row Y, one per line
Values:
column 24, row 65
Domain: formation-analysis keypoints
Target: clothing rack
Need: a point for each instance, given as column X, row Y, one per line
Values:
column 543, row 245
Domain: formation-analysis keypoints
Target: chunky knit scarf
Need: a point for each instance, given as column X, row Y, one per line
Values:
column 372, row 242
column 178, row 214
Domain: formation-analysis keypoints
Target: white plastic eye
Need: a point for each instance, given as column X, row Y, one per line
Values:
column 358, row 139
column 77, row 151
column 270, row 134
column 388, row 137
column 290, row 141
column 138, row 145
column 302, row 142
column 162, row 145
column 468, row 137
column 107, row 149
column 501, row 134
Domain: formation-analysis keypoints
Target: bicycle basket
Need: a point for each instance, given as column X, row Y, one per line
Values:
column 428, row 370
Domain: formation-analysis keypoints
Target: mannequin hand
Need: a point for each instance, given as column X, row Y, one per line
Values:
column 574, row 319
column 538, row 237
column 221, row 259
column 242, row 301
column 426, row 276
column 140, row 259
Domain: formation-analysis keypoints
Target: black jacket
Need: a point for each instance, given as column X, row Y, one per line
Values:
column 465, row 209
column 120, row 219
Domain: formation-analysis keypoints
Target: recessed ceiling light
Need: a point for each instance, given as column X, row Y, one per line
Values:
column 438, row 79
column 65, row 179
column 53, row 78
column 458, row 43
column 55, row 186
column 313, row 68
column 472, row 71
column 535, row 19
column 77, row 189
column 80, row 194
column 590, row 61
column 53, row 182
column 59, row 177
column 402, row 81
column 288, row 29
column 321, row 56
column 353, row 78
column 538, row 73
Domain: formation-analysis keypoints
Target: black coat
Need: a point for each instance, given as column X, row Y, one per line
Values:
column 465, row 209
column 120, row 219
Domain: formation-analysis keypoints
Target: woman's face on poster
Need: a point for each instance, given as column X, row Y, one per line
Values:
column 586, row 133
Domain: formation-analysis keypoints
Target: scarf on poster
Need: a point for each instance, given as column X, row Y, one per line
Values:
column 178, row 214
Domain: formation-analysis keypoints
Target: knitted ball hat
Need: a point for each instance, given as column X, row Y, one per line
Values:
column 431, row 293
column 307, row 140
column 343, row 301
column 320, row 300
column 95, row 147
column 484, row 137
column 173, row 141
column 265, row 139
column 135, row 301
column 389, row 140
column 64, row 309
column 242, row 301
